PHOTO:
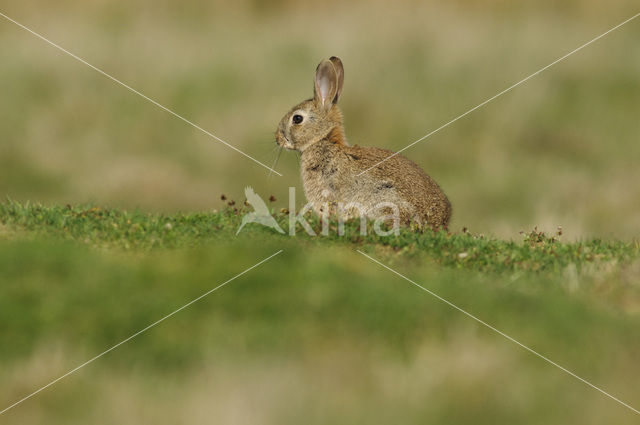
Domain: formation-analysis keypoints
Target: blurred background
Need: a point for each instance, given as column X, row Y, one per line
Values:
column 562, row 149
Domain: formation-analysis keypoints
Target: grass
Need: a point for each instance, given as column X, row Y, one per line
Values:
column 319, row 333
column 108, row 227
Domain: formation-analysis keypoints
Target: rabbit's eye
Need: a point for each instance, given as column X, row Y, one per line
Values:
column 297, row 119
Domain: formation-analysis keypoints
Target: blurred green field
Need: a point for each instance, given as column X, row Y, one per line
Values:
column 133, row 226
column 562, row 149
column 318, row 334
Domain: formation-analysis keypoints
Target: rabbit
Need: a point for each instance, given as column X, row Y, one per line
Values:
column 331, row 168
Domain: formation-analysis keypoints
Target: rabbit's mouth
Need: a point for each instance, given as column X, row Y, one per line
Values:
column 283, row 141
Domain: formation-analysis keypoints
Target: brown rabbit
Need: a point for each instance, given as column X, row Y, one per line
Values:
column 331, row 168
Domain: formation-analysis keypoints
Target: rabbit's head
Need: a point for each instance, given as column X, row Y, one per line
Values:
column 318, row 118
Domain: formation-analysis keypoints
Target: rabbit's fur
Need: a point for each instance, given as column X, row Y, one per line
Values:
column 330, row 166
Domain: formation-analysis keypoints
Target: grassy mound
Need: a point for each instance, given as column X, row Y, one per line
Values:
column 317, row 334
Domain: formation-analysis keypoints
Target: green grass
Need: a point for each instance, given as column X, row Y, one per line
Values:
column 107, row 227
column 319, row 333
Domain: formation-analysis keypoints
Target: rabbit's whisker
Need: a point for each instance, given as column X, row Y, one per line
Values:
column 275, row 162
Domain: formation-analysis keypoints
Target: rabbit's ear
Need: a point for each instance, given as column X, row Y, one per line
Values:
column 337, row 64
column 326, row 84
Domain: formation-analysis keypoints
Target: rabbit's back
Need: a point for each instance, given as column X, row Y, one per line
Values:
column 331, row 172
